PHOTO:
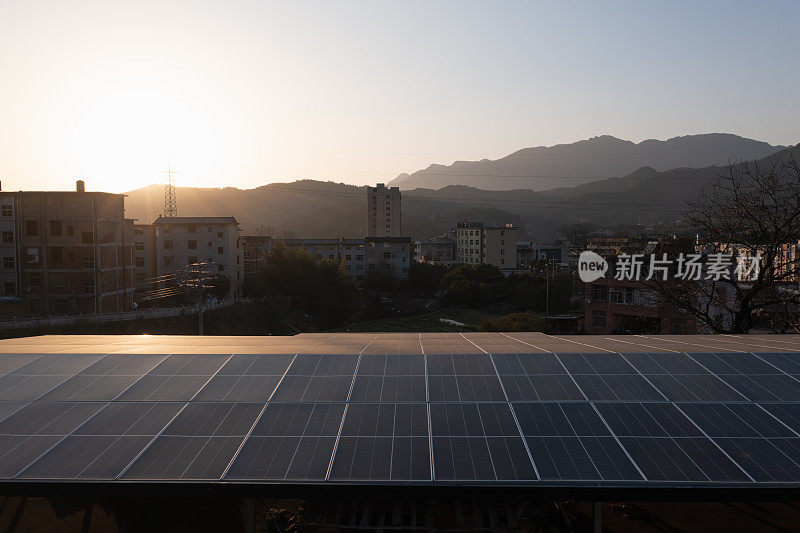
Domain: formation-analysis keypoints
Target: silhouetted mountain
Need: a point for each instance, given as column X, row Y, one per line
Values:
column 325, row 209
column 566, row 165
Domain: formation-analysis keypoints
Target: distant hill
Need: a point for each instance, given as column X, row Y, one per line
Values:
column 567, row 165
column 324, row 209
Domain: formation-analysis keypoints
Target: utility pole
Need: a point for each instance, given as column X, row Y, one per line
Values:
column 200, row 286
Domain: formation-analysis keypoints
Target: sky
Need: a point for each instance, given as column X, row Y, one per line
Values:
column 244, row 93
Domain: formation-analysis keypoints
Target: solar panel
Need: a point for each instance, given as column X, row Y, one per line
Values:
column 289, row 442
column 246, row 378
column 390, row 378
column 465, row 378
column 478, row 441
column 317, row 378
column 569, row 441
column 535, row 377
column 374, row 409
column 383, row 442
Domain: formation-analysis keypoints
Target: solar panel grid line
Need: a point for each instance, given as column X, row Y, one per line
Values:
column 516, row 421
column 641, row 344
column 347, row 403
column 693, row 422
column 787, row 426
column 718, row 377
column 428, row 412
column 747, row 344
column 780, row 370
column 524, row 342
column 58, row 384
column 132, row 384
column 150, row 443
column 56, row 443
column 720, row 448
column 200, row 451
column 261, row 413
column 644, row 377
column 713, row 348
column 581, row 343
column 619, row 443
column 255, row 422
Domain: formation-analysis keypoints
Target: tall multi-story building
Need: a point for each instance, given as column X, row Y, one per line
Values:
column 496, row 245
column 144, row 257
column 182, row 241
column 65, row 252
column 383, row 211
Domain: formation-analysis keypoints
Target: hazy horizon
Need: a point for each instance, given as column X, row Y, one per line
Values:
column 245, row 93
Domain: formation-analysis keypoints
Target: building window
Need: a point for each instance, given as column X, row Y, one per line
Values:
column 8, row 237
column 220, row 250
column 219, row 234
column 34, row 279
column 10, row 288
column 167, row 261
column 221, row 267
column 70, row 231
column 209, row 244
column 57, row 280
column 55, row 228
column 192, row 245
column 138, row 246
column 599, row 319
column 139, row 261
column 138, row 231
column 56, row 254
column 238, row 259
column 7, row 210
column 88, row 287
column 31, row 255
column 88, row 263
column 140, row 278
column 600, row 293
column 192, row 228
column 60, row 307
column 168, row 244
column 31, row 228
column 8, row 262
column 87, row 237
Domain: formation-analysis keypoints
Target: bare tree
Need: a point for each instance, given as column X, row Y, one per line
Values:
column 575, row 237
column 752, row 210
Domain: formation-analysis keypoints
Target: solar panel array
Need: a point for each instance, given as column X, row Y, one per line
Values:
column 392, row 414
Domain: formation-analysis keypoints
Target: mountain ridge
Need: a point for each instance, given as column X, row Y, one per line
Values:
column 548, row 167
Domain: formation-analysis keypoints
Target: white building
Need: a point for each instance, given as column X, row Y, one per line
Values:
column 496, row 245
column 383, row 211
column 388, row 255
column 182, row 241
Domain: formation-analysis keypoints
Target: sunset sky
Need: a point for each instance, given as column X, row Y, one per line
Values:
column 251, row 92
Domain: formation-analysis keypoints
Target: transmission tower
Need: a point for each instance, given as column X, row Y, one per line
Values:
column 170, row 203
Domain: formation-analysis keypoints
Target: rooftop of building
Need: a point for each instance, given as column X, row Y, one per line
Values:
column 403, row 343
column 195, row 220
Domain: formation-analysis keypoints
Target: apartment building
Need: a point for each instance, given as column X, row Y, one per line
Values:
column 529, row 253
column 614, row 306
column 182, row 241
column 383, row 212
column 64, row 252
column 144, row 258
column 439, row 250
column 387, row 255
column 477, row 243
